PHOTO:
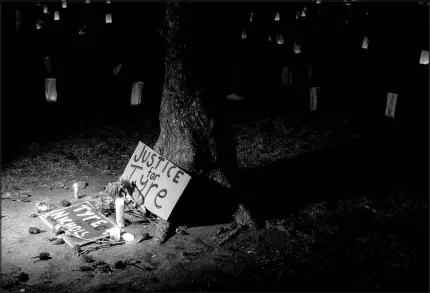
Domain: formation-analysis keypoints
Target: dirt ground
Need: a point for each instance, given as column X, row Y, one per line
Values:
column 372, row 240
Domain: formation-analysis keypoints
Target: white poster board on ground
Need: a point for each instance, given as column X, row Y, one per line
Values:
column 82, row 221
column 136, row 93
column 159, row 182
column 314, row 93
column 391, row 105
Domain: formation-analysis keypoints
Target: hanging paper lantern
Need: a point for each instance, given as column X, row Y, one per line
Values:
column 39, row 24
column 244, row 34
column 277, row 17
column 56, row 15
column 287, row 76
column 50, row 89
column 314, row 93
column 365, row 44
column 136, row 93
column 279, row 39
column 45, row 9
column 64, row 4
column 108, row 18
column 48, row 64
column 297, row 49
column 424, row 59
column 250, row 19
column 391, row 105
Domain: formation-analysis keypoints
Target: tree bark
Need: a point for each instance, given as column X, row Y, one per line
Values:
column 187, row 124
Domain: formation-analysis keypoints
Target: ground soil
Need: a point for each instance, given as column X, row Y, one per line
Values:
column 374, row 240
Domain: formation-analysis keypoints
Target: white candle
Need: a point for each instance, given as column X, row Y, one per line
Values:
column 115, row 234
column 119, row 211
column 75, row 188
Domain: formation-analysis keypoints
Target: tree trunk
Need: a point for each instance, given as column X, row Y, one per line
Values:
column 187, row 124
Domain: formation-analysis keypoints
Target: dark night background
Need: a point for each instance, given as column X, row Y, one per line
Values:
column 364, row 177
column 352, row 79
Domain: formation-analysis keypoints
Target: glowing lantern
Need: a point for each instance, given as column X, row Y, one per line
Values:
column 314, row 93
column 56, row 15
column 391, row 105
column 136, row 93
column 250, row 19
column 107, row 1
column 108, row 18
column 277, row 17
column 318, row 1
column 39, row 24
column 424, row 59
column 244, row 34
column 50, row 89
column 279, row 39
column 64, row 4
column 45, row 9
column 270, row 38
column 304, row 13
column 286, row 77
column 365, row 44
column 297, row 49
column 87, row 1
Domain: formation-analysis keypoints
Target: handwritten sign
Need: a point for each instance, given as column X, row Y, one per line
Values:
column 391, row 105
column 80, row 220
column 159, row 182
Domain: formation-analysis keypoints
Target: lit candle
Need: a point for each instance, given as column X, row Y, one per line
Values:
column 64, row 4
column 108, row 18
column 56, row 15
column 119, row 211
column 75, row 188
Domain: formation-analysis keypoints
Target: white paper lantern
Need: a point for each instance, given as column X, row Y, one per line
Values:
column 297, row 48
column 424, row 59
column 365, row 44
column 56, row 15
column 244, row 34
column 277, row 17
column 287, row 76
column 391, row 105
column 45, row 9
column 136, row 93
column 64, row 4
column 108, row 18
column 314, row 93
column 50, row 89
column 279, row 39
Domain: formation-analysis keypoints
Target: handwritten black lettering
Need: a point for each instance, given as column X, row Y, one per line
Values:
column 160, row 159
column 164, row 191
column 140, row 156
column 143, row 184
column 135, row 167
column 165, row 167
column 168, row 172
column 152, row 160
column 147, row 157
column 175, row 179
column 150, row 187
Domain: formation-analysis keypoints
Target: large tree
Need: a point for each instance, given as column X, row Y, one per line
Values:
column 188, row 112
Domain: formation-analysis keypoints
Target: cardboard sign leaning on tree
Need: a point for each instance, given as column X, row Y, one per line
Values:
column 159, row 183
